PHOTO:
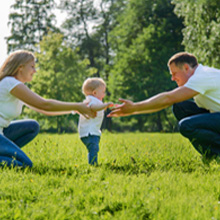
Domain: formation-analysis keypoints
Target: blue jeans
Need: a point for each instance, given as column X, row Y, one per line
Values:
column 92, row 144
column 200, row 126
column 16, row 135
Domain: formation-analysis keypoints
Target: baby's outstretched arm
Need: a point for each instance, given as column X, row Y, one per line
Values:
column 101, row 106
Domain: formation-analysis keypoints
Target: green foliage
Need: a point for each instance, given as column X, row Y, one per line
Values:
column 61, row 72
column 140, row 176
column 127, row 42
column 60, row 76
column 76, row 26
column 30, row 21
column 87, row 26
column 139, row 39
column 202, row 29
column 148, row 33
column 128, row 60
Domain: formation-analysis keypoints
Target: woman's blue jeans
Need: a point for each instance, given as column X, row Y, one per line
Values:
column 200, row 126
column 92, row 144
column 16, row 135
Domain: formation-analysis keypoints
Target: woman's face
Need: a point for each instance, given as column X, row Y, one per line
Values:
column 26, row 72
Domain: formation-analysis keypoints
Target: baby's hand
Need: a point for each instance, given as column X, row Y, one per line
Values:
column 112, row 106
column 109, row 105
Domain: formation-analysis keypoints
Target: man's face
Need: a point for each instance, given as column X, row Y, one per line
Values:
column 180, row 74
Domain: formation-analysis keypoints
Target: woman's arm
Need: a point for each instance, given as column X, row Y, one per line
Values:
column 51, row 113
column 23, row 93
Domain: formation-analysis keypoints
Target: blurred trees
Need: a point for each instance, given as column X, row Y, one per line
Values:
column 29, row 22
column 202, row 29
column 147, row 34
column 126, row 42
column 87, row 26
column 60, row 74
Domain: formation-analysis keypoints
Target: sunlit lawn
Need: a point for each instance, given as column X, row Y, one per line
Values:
column 140, row 176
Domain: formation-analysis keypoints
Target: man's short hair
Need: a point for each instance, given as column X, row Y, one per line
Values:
column 183, row 57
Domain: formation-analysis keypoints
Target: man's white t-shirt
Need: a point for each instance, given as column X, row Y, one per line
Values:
column 10, row 106
column 206, row 81
column 92, row 125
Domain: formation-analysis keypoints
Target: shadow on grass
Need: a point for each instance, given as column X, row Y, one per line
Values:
column 114, row 208
column 130, row 167
column 61, row 171
column 134, row 167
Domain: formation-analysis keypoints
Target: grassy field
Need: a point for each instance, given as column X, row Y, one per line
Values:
column 140, row 176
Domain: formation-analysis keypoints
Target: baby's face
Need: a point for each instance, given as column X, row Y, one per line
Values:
column 99, row 92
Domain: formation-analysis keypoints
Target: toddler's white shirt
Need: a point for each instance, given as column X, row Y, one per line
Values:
column 92, row 125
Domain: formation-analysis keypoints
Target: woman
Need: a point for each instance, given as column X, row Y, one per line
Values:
column 18, row 69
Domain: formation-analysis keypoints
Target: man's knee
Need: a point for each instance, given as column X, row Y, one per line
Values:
column 186, row 128
column 177, row 110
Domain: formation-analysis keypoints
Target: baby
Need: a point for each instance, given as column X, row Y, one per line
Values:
column 89, row 129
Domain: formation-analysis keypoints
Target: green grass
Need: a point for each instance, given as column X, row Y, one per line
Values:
column 140, row 176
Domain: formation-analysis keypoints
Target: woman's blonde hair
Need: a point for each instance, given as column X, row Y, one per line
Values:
column 90, row 84
column 14, row 61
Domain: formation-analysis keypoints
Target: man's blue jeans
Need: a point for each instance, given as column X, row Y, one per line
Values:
column 92, row 144
column 200, row 126
column 16, row 135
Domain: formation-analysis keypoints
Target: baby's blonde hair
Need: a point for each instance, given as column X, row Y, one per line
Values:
column 90, row 84
column 14, row 61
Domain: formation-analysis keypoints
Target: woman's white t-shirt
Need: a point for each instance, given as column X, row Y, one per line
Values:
column 92, row 125
column 10, row 106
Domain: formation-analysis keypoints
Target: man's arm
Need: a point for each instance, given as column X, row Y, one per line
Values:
column 155, row 103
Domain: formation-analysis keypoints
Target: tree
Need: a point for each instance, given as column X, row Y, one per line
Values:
column 148, row 33
column 88, row 26
column 80, row 14
column 29, row 22
column 60, row 76
column 202, row 29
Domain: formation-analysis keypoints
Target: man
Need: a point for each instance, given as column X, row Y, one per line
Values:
column 199, row 121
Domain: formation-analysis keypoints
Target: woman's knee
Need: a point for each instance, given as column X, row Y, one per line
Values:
column 34, row 127
column 29, row 164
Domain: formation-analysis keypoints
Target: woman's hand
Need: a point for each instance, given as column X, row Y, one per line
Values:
column 86, row 111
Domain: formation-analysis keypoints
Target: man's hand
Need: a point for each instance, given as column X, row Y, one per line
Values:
column 124, row 109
